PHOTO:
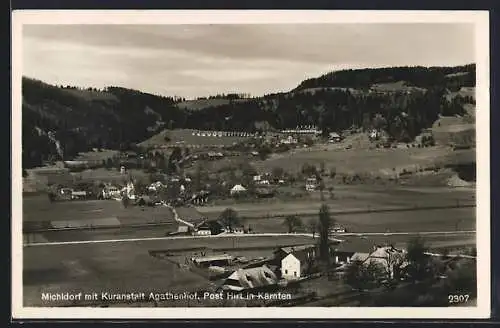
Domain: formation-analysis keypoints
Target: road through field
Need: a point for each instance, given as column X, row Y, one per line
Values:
column 111, row 241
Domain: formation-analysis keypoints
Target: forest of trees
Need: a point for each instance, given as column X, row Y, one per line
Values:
column 424, row 77
column 116, row 117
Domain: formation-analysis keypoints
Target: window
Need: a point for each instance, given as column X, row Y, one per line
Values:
column 286, row 271
column 295, row 273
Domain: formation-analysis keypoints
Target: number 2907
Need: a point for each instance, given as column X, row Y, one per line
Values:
column 454, row 298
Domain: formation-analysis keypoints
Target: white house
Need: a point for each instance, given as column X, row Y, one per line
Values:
column 295, row 264
column 311, row 184
column 237, row 189
column 110, row 191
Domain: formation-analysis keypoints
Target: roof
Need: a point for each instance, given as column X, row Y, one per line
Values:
column 360, row 257
column 356, row 245
column 238, row 187
column 291, row 249
column 221, row 257
column 300, row 255
column 253, row 278
column 334, row 135
column 190, row 214
column 383, row 252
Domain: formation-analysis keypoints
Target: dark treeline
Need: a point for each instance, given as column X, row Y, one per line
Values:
column 424, row 77
column 115, row 117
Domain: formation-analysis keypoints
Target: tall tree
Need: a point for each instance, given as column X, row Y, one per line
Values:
column 125, row 201
column 312, row 226
column 325, row 222
column 292, row 223
column 230, row 218
column 418, row 260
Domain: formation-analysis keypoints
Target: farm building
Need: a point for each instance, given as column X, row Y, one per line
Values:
column 214, row 260
column 334, row 137
column 367, row 253
column 200, row 198
column 251, row 278
column 237, row 189
column 289, row 140
column 311, row 184
column 297, row 262
column 212, row 227
column 384, row 256
column 305, row 129
column 155, row 186
column 79, row 194
column 349, row 250
column 110, row 192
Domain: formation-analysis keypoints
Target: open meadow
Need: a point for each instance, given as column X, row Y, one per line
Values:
column 378, row 161
column 352, row 198
column 102, row 267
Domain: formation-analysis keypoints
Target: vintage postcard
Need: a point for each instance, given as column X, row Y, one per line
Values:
column 250, row 164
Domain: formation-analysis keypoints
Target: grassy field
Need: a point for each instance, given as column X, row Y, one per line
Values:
column 99, row 268
column 121, row 267
column 414, row 221
column 96, row 155
column 375, row 161
column 354, row 198
column 39, row 209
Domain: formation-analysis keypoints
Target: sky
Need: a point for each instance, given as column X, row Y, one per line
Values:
column 199, row 60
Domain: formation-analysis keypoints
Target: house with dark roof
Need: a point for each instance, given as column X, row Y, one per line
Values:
column 191, row 215
column 211, row 227
column 391, row 259
column 298, row 261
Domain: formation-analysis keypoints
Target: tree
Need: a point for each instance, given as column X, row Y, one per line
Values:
column 418, row 261
column 312, row 226
column 51, row 196
column 325, row 222
column 395, row 261
column 109, row 163
column 230, row 218
column 333, row 172
column 330, row 191
column 278, row 172
column 264, row 151
column 362, row 275
column 292, row 223
column 322, row 167
column 309, row 170
column 198, row 176
column 321, row 188
column 379, row 122
column 125, row 201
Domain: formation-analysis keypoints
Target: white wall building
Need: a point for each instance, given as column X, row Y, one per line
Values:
column 290, row 267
